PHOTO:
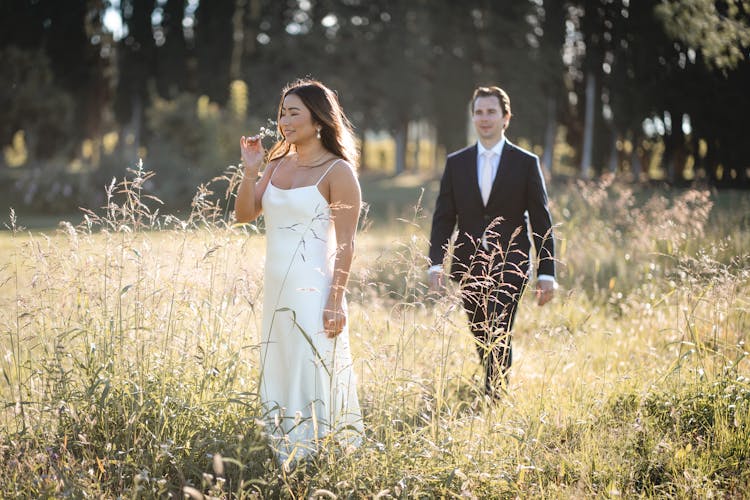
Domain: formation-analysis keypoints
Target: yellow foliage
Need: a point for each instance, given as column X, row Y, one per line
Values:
column 76, row 165
column 690, row 168
column 87, row 149
column 238, row 99
column 205, row 109
column 16, row 154
column 109, row 141
column 702, row 148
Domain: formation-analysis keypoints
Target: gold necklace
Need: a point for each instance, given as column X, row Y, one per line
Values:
column 315, row 163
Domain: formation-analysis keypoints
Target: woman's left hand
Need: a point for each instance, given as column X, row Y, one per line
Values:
column 334, row 320
column 251, row 149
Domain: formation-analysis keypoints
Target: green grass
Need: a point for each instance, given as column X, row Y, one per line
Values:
column 129, row 359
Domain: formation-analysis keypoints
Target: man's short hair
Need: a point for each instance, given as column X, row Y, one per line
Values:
column 501, row 95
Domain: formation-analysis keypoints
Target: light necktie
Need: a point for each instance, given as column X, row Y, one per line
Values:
column 485, row 182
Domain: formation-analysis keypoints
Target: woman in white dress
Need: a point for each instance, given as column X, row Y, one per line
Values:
column 310, row 198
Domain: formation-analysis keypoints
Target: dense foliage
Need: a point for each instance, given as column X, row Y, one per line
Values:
column 647, row 88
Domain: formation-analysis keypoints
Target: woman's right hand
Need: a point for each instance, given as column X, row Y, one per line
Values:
column 253, row 153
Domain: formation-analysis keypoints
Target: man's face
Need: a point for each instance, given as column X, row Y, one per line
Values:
column 488, row 117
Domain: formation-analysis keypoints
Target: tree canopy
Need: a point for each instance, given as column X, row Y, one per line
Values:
column 616, row 80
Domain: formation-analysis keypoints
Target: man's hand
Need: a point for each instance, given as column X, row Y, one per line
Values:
column 545, row 290
column 436, row 279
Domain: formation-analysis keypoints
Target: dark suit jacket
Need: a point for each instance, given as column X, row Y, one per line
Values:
column 518, row 197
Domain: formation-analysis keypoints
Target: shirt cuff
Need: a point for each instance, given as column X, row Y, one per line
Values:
column 547, row 277
column 435, row 269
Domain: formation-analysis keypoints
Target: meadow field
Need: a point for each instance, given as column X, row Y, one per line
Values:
column 129, row 357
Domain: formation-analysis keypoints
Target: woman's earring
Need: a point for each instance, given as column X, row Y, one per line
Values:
column 318, row 134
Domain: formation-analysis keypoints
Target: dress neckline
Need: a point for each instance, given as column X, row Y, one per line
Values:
column 300, row 187
column 292, row 188
column 270, row 181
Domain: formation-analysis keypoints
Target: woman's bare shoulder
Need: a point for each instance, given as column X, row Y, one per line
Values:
column 342, row 169
column 343, row 181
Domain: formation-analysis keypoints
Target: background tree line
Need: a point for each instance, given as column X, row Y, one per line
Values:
column 644, row 89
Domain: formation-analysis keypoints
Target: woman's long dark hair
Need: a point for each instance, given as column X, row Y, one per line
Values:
column 336, row 132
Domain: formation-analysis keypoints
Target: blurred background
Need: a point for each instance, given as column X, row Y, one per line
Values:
column 645, row 90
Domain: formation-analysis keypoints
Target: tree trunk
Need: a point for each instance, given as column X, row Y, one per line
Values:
column 129, row 149
column 235, row 64
column 401, row 136
column 417, row 142
column 549, row 134
column 171, row 63
column 214, row 40
column 636, row 166
column 613, row 153
column 588, row 130
column 437, row 153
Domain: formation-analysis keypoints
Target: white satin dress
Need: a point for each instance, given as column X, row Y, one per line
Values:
column 307, row 385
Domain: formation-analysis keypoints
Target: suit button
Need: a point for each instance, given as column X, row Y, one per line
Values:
column 487, row 218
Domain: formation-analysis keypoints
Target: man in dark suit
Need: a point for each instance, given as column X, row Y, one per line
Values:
column 493, row 191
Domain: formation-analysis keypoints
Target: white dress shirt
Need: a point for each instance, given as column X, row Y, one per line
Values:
column 497, row 153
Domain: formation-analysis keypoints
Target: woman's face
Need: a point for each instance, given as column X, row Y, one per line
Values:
column 296, row 121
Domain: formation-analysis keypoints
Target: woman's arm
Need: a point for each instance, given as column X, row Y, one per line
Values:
column 345, row 199
column 247, row 206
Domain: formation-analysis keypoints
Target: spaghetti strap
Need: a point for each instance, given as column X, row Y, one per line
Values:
column 328, row 170
column 276, row 168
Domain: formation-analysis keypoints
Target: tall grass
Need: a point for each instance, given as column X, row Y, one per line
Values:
column 130, row 363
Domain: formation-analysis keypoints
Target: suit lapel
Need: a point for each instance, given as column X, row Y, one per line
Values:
column 473, row 177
